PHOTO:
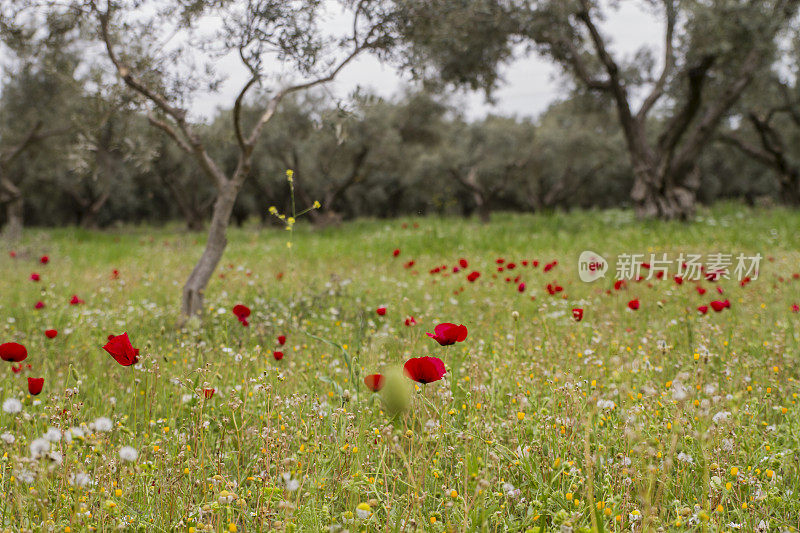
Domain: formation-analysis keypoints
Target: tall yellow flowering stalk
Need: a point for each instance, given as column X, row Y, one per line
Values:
column 289, row 220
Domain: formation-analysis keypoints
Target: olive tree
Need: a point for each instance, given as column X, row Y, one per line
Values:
column 166, row 52
column 36, row 98
column 668, row 108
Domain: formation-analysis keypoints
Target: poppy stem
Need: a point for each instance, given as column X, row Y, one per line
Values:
column 133, row 389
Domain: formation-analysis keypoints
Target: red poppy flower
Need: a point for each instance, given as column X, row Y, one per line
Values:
column 411, row 321
column 448, row 333
column 521, row 287
column 278, row 355
column 75, row 300
column 51, row 333
column 374, row 382
column 700, row 290
column 12, row 253
column 634, row 304
column 549, row 266
column 44, row 260
column 241, row 312
column 13, row 352
column 114, row 274
column 795, row 308
column 678, row 280
column 473, row 276
column 424, row 369
column 511, row 266
column 38, row 305
column 703, row 309
column 381, row 310
column 718, row 305
column 577, row 314
column 120, row 348
column 396, row 252
column 619, row 284
column 281, row 339
column 463, row 263
column 208, row 393
column 409, row 264
column 35, row 277
column 35, row 385
column 500, row 261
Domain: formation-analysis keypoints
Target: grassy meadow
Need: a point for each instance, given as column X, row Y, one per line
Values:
column 656, row 419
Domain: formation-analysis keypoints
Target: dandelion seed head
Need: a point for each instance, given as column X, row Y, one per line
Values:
column 128, row 453
column 12, row 406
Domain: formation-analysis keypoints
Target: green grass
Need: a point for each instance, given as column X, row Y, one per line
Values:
column 512, row 439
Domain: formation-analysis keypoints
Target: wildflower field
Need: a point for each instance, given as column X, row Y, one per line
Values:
column 663, row 404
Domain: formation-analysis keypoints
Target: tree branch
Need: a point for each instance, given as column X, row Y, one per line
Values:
column 33, row 136
column 616, row 85
column 791, row 104
column 580, row 69
column 680, row 121
column 179, row 115
column 272, row 106
column 355, row 173
column 699, row 134
column 771, row 141
column 237, row 112
column 470, row 182
column 762, row 156
column 169, row 130
column 669, row 63
column 15, row 151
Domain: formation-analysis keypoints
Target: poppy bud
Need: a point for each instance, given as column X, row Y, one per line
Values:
column 395, row 394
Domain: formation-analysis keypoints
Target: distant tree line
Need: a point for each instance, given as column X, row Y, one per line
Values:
column 373, row 157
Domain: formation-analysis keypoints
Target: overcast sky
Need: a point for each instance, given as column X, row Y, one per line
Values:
column 531, row 82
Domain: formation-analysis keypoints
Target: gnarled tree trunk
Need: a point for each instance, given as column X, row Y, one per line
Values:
column 480, row 195
column 10, row 193
column 194, row 289
column 13, row 229
column 790, row 187
column 665, row 197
